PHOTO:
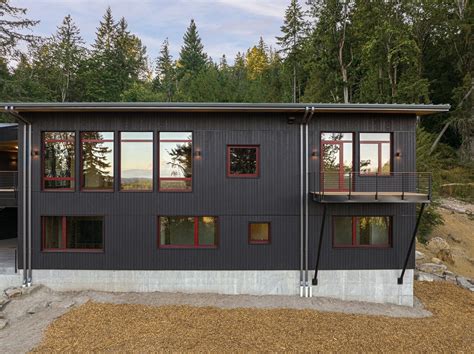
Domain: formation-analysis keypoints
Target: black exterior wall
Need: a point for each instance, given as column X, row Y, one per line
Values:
column 131, row 218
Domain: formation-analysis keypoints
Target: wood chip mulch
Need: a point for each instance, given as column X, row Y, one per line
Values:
column 110, row 327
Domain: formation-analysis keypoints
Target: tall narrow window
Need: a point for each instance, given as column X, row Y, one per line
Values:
column 97, row 149
column 59, row 160
column 375, row 152
column 63, row 233
column 187, row 232
column 176, row 164
column 243, row 161
column 336, row 162
column 362, row 231
column 136, row 161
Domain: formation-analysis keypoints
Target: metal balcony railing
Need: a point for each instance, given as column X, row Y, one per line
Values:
column 378, row 187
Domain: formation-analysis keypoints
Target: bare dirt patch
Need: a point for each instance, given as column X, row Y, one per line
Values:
column 133, row 327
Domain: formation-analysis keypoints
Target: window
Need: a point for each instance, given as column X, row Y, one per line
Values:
column 243, row 161
column 136, row 161
column 97, row 150
column 64, row 233
column 187, row 232
column 336, row 162
column 362, row 231
column 375, row 153
column 176, row 164
column 259, row 233
column 58, row 160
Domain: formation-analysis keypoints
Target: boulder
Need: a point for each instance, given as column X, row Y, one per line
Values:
column 432, row 268
column 13, row 292
column 3, row 323
column 437, row 244
column 422, row 276
column 465, row 283
column 436, row 260
column 446, row 256
column 419, row 255
column 3, row 302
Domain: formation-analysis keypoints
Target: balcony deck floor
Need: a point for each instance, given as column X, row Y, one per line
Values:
column 370, row 197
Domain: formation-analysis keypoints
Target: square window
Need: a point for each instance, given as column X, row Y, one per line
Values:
column 259, row 233
column 243, row 161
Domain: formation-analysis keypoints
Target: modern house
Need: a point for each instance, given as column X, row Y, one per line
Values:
column 293, row 199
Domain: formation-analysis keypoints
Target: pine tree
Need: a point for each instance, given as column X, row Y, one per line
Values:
column 192, row 58
column 11, row 26
column 68, row 51
column 293, row 33
column 106, row 33
column 165, row 80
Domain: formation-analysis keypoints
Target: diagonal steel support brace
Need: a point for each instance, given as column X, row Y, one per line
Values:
column 316, row 268
column 400, row 280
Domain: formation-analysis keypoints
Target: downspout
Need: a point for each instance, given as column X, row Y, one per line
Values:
column 302, row 232
column 26, row 195
column 308, row 288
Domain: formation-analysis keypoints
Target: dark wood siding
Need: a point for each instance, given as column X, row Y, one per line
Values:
column 131, row 218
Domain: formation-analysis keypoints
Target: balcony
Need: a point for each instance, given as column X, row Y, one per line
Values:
column 353, row 187
column 8, row 188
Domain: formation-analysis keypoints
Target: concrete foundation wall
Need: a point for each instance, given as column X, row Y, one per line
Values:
column 357, row 285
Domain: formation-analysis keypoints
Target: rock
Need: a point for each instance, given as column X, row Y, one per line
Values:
column 436, row 260
column 37, row 308
column 13, row 292
column 451, row 279
column 446, row 256
column 465, row 283
column 419, row 255
column 3, row 323
column 31, row 289
column 422, row 276
column 65, row 304
column 454, row 238
column 437, row 244
column 432, row 268
column 3, row 302
column 449, row 273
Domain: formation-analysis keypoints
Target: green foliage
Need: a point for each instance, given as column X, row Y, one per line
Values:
column 429, row 220
column 192, row 58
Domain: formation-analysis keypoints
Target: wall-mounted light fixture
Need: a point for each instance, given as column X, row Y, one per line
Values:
column 314, row 155
column 35, row 153
column 398, row 154
column 197, row 154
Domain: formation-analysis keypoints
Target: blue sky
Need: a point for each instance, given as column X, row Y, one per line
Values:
column 225, row 26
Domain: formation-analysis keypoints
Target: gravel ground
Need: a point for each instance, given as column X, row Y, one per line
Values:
column 156, row 321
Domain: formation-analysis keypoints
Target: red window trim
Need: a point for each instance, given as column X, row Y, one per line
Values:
column 341, row 143
column 64, row 236
column 196, row 233
column 244, row 175
column 120, row 160
column 181, row 190
column 260, row 242
column 92, row 190
column 354, row 231
column 379, row 154
column 43, row 164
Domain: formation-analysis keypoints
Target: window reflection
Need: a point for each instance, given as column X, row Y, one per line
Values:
column 336, row 160
column 243, row 161
column 97, row 160
column 375, row 152
column 136, row 161
column 176, row 161
column 59, row 160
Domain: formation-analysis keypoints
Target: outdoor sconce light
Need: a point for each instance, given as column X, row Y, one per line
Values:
column 398, row 154
column 197, row 154
column 314, row 155
column 35, row 153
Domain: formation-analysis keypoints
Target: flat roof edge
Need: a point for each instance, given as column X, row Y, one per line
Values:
column 419, row 109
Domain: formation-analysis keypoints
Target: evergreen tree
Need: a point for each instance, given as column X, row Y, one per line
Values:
column 257, row 60
column 106, row 33
column 165, row 80
column 192, row 58
column 11, row 25
column 68, row 51
column 293, row 30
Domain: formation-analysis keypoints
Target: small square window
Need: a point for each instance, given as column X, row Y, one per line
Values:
column 243, row 161
column 259, row 233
